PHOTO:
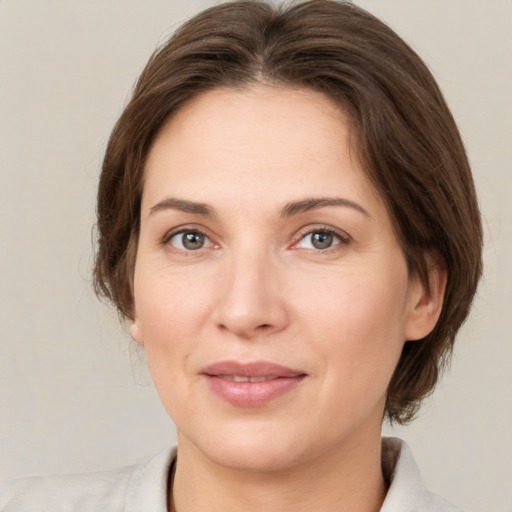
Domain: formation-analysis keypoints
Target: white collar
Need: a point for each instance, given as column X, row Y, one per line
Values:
column 147, row 489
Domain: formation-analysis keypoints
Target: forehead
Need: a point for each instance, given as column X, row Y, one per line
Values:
column 251, row 142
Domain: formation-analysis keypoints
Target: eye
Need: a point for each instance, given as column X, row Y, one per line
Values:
column 320, row 239
column 190, row 240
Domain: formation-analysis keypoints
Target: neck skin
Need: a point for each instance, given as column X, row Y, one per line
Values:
column 348, row 480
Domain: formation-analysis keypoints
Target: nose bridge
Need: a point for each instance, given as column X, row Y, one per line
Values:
column 250, row 300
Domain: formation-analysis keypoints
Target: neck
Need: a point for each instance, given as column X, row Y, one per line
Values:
column 349, row 479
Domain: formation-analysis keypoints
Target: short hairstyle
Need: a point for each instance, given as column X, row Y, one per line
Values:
column 405, row 136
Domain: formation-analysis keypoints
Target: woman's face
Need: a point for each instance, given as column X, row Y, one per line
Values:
column 271, row 294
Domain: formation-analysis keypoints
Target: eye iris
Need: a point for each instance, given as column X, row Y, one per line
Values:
column 322, row 240
column 193, row 241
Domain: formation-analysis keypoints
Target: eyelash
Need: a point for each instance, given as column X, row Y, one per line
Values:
column 169, row 236
column 343, row 238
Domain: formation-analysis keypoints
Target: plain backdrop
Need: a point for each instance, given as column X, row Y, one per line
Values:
column 74, row 393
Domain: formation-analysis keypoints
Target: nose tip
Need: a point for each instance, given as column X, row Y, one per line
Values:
column 250, row 317
column 250, row 303
column 242, row 327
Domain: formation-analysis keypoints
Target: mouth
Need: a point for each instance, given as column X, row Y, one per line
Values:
column 251, row 384
column 253, row 370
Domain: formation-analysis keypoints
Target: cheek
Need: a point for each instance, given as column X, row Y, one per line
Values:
column 169, row 316
column 356, row 322
column 171, row 311
column 356, row 301
column 169, row 304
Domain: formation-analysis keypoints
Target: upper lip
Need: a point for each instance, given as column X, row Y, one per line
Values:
column 251, row 369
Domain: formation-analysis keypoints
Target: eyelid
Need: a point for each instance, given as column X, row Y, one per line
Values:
column 343, row 236
column 189, row 228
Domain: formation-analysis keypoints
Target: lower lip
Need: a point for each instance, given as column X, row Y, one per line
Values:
column 252, row 394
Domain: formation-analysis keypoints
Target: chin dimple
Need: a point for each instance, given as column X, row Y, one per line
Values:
column 240, row 378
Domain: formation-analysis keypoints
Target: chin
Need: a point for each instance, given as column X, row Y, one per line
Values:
column 255, row 450
column 256, row 458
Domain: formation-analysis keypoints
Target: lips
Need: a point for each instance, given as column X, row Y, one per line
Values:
column 251, row 384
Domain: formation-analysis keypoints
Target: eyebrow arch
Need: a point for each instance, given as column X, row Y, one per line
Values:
column 314, row 203
column 182, row 205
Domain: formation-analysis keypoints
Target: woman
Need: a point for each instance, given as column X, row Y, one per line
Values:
column 288, row 221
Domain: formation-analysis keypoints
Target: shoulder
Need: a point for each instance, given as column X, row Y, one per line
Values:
column 407, row 492
column 71, row 492
column 138, row 487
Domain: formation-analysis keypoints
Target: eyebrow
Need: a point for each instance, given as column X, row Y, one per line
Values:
column 182, row 205
column 291, row 208
column 315, row 203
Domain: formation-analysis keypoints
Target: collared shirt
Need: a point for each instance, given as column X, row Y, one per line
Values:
column 143, row 488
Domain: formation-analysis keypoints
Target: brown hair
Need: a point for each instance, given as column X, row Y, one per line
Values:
column 406, row 137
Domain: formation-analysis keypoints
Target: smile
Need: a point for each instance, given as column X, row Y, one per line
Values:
column 251, row 384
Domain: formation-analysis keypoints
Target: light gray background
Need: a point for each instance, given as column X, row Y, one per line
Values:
column 73, row 395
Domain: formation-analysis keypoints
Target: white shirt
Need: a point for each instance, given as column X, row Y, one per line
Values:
column 143, row 488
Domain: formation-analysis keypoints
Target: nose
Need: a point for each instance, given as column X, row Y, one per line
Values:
column 251, row 302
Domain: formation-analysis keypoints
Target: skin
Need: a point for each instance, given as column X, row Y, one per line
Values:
column 260, row 290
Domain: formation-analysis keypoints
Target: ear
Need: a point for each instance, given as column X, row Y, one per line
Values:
column 426, row 299
column 136, row 333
